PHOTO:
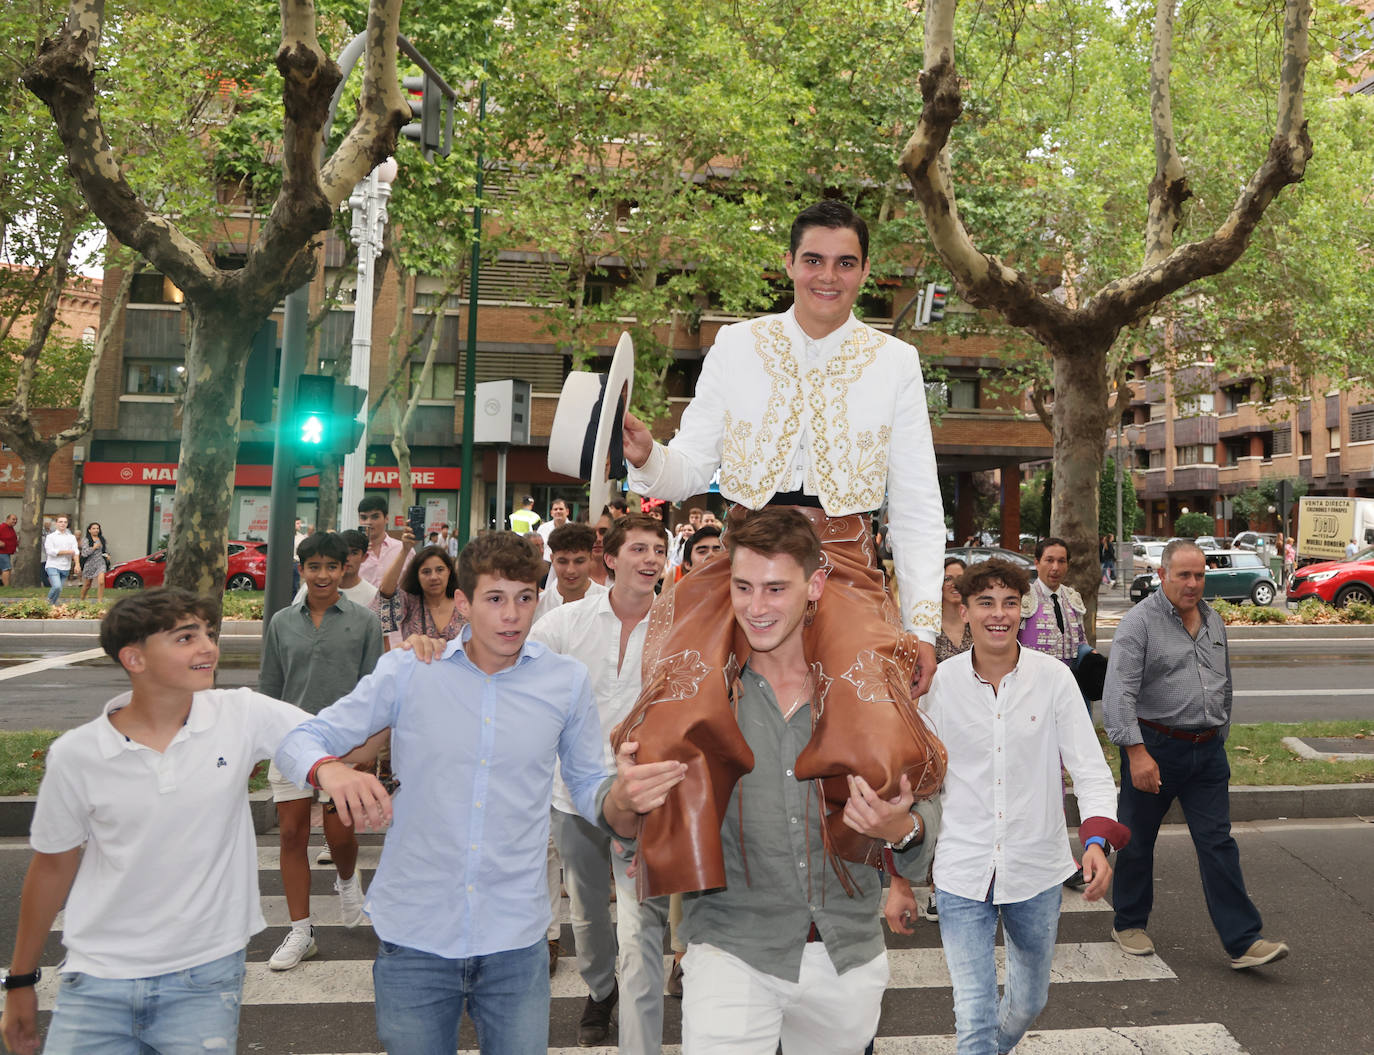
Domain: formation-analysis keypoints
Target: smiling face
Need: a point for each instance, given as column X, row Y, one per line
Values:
column 322, row 576
column 638, row 564
column 559, row 512
column 574, row 569
column 826, row 271
column 182, row 659
column 993, row 615
column 769, row 594
column 499, row 612
column 433, row 576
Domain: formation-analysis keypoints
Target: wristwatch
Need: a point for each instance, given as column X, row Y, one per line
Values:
column 19, row 981
column 917, row 828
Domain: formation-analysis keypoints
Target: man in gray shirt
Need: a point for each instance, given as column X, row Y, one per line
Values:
column 315, row 652
column 790, row 949
column 1168, row 708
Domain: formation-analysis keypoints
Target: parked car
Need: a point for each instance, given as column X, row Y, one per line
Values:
column 1255, row 539
column 247, row 569
column 1148, row 554
column 974, row 554
column 1336, row 582
column 1232, row 575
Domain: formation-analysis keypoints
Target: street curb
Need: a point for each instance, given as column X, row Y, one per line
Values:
column 1283, row 802
column 16, row 813
column 1280, row 802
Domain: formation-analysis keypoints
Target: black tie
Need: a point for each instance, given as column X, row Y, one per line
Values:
column 1058, row 612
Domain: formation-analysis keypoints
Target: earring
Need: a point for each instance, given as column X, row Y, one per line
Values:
column 810, row 613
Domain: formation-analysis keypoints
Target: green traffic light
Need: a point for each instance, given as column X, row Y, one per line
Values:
column 312, row 430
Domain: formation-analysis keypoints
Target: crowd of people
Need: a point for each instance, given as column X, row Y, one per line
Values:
column 747, row 753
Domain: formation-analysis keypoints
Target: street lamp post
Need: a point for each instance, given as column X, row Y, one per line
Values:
column 368, row 202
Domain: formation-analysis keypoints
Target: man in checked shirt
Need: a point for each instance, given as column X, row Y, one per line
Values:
column 1168, row 708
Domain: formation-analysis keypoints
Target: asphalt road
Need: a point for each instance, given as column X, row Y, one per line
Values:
column 1309, row 879
column 1290, row 674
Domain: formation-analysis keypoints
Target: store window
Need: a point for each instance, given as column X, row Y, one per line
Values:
column 154, row 377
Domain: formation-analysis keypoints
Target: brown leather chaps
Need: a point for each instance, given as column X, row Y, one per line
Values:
column 864, row 720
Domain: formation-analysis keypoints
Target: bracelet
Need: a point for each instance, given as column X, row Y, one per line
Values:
column 310, row 777
column 917, row 828
column 1097, row 840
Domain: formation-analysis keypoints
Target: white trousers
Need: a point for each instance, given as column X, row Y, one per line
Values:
column 729, row 1008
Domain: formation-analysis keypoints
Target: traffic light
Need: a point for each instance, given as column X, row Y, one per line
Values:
column 935, row 301
column 313, row 429
column 349, row 400
column 432, row 127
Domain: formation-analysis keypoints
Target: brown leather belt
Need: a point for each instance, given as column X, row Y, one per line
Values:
column 1192, row 736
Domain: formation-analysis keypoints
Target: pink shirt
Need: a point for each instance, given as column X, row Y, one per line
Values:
column 375, row 564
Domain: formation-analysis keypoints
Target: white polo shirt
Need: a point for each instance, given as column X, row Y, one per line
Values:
column 169, row 876
column 589, row 630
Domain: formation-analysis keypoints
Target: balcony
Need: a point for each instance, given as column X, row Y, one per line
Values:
column 1333, row 467
column 1152, row 388
column 1195, row 478
column 1151, row 483
column 1195, row 430
column 1154, row 436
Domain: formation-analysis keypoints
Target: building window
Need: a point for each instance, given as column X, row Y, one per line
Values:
column 1195, row 454
column 1157, row 459
column 1361, row 425
column 155, row 377
column 1232, row 452
column 1283, row 440
column 440, row 383
column 1306, row 443
column 1192, row 406
column 1232, row 396
column 1333, row 438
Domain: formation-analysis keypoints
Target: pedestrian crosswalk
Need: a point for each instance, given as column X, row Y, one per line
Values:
column 327, row 1002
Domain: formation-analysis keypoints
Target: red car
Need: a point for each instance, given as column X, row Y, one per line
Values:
column 247, row 569
column 1336, row 582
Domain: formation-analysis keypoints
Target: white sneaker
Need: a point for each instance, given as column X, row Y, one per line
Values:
column 298, row 945
column 324, row 857
column 350, row 900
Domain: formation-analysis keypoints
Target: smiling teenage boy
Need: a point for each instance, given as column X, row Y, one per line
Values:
column 459, row 902
column 570, row 546
column 1007, row 715
column 143, row 816
column 313, row 653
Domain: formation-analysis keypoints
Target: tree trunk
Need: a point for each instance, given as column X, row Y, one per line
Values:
column 216, row 360
column 327, row 496
column 1080, row 427
column 28, row 559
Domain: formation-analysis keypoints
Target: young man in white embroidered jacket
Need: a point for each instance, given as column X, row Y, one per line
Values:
column 811, row 409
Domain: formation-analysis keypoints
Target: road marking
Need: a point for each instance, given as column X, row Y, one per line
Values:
column 1244, row 694
column 48, row 664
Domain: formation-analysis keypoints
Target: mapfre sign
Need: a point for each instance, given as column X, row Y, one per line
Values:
column 164, row 474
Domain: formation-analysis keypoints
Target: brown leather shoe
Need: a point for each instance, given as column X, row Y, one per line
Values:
column 596, row 1020
column 555, row 950
column 674, row 986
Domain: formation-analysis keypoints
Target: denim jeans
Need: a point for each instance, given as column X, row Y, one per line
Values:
column 1199, row 776
column 421, row 998
column 57, row 577
column 968, row 929
column 189, row 1012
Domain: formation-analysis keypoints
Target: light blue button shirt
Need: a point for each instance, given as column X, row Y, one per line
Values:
column 462, row 871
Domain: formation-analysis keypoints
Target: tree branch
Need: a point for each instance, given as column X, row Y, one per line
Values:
column 56, row 283
column 1169, row 189
column 86, row 406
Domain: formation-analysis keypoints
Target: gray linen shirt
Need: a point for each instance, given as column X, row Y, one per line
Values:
column 312, row 666
column 764, row 920
column 1157, row 670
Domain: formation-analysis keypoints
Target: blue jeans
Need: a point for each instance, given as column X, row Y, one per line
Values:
column 1199, row 776
column 56, row 579
column 189, row 1012
column 968, row 929
column 421, row 998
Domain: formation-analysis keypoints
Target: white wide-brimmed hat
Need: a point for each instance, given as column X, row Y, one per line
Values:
column 587, row 440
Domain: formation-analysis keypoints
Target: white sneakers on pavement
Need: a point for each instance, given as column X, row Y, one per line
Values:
column 350, row 900
column 298, row 945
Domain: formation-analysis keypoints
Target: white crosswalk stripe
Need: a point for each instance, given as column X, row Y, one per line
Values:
column 345, row 984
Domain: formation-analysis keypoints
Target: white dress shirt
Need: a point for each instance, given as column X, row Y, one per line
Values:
column 551, row 598
column 589, row 630
column 843, row 418
column 1003, row 799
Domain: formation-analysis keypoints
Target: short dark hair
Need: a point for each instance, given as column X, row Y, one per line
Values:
column 828, row 213
column 777, row 530
column 1166, row 559
column 1052, row 540
column 698, row 536
column 572, row 538
column 329, row 544
column 502, row 553
column 355, row 540
column 410, row 578
column 617, row 507
column 372, row 504
column 992, row 572
column 615, row 537
column 133, row 619
column 956, row 560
